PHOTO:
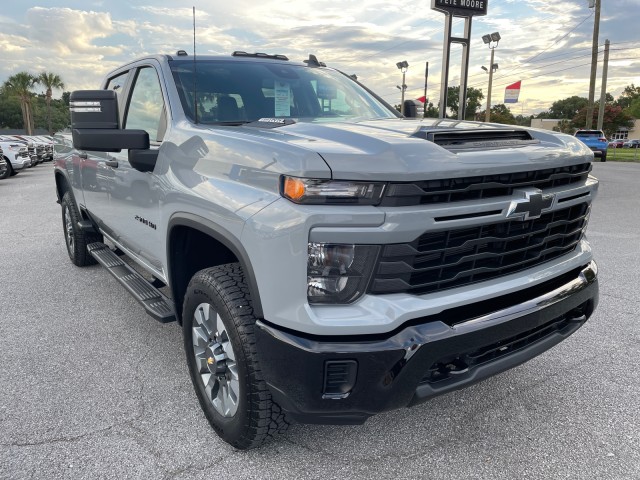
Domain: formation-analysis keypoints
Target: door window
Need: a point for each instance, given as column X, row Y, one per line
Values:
column 146, row 106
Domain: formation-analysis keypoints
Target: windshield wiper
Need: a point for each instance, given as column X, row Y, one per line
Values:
column 230, row 123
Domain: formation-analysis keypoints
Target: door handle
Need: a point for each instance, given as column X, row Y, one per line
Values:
column 83, row 155
column 111, row 163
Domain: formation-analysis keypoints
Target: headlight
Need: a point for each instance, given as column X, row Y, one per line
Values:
column 319, row 192
column 339, row 274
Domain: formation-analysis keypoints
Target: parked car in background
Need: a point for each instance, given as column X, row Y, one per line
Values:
column 617, row 143
column 36, row 150
column 47, row 144
column 596, row 141
column 30, row 146
column 4, row 168
column 16, row 156
column 632, row 144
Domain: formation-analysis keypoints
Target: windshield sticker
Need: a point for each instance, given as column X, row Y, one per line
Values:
column 282, row 99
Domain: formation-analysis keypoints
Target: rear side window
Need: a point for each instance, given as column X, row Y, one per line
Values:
column 590, row 133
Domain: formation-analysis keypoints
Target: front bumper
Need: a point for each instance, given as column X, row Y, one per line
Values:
column 20, row 163
column 425, row 358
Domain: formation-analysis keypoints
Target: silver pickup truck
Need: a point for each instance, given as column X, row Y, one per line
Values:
column 326, row 258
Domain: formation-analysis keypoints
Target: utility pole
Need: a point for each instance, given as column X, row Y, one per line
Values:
column 426, row 79
column 487, row 115
column 594, row 64
column 603, row 91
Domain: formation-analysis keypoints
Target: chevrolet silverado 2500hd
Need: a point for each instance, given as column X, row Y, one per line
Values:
column 326, row 258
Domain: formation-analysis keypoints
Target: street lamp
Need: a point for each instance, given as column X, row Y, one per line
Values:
column 492, row 41
column 402, row 66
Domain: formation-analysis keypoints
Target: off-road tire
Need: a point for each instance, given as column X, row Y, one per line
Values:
column 12, row 172
column 77, row 243
column 257, row 418
column 7, row 171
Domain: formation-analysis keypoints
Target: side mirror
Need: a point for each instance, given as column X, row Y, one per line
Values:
column 95, row 123
column 413, row 109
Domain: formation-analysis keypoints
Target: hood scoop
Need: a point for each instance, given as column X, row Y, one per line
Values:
column 456, row 140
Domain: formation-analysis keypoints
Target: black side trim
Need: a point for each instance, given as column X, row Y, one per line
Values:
column 223, row 236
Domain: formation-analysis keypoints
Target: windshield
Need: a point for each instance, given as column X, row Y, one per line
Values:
column 230, row 92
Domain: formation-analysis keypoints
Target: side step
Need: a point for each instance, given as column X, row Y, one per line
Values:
column 154, row 302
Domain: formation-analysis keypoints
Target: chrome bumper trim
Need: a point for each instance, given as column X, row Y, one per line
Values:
column 587, row 276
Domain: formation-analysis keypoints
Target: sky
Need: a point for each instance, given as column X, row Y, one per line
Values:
column 545, row 44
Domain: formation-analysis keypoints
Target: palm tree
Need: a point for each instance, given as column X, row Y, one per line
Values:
column 50, row 81
column 20, row 85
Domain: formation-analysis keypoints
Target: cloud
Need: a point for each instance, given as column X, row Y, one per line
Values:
column 63, row 41
column 71, row 31
column 183, row 12
column 365, row 37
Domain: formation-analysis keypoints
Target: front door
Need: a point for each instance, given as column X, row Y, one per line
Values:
column 133, row 196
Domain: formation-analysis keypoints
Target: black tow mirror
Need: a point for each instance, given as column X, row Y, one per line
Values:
column 413, row 109
column 95, row 123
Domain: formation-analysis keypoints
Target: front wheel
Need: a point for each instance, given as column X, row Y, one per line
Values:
column 219, row 340
column 12, row 172
column 5, row 172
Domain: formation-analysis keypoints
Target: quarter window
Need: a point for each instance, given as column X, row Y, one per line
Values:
column 117, row 83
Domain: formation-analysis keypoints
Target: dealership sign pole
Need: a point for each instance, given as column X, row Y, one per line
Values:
column 464, row 9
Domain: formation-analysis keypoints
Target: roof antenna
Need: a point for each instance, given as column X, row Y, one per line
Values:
column 195, row 72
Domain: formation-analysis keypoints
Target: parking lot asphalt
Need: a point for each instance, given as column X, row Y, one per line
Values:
column 92, row 387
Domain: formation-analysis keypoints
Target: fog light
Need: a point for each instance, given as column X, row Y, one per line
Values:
column 339, row 378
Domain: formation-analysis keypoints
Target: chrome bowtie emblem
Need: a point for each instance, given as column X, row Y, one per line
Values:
column 530, row 205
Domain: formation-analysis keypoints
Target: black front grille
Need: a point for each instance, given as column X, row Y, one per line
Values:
column 453, row 258
column 480, row 187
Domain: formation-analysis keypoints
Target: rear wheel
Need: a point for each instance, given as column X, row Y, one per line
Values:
column 603, row 158
column 219, row 341
column 75, row 238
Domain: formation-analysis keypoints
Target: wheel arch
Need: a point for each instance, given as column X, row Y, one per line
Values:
column 62, row 185
column 189, row 233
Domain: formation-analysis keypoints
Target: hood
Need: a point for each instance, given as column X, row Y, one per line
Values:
column 405, row 149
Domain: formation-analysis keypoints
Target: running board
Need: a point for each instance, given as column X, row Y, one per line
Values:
column 154, row 302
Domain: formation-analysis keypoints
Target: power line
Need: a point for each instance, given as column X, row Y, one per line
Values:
column 523, row 63
column 569, row 68
column 555, row 63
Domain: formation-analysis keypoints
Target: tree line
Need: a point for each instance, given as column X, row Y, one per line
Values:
column 22, row 108
column 572, row 111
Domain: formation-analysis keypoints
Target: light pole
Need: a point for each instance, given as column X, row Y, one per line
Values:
column 492, row 41
column 403, row 67
column 594, row 61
